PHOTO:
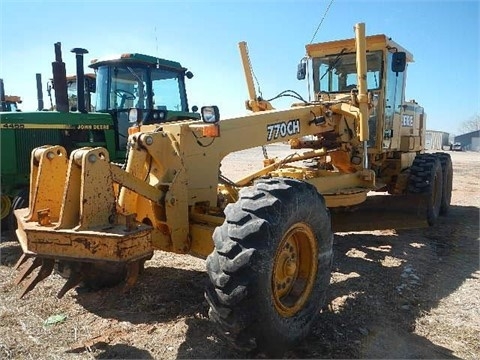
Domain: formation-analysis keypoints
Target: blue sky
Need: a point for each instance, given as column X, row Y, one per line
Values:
column 444, row 37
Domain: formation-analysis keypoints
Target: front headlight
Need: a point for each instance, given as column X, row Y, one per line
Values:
column 210, row 114
column 133, row 116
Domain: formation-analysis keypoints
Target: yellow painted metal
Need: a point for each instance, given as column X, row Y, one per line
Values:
column 362, row 79
column 140, row 187
column 166, row 171
column 97, row 207
column 47, row 181
column 345, row 198
column 252, row 96
column 202, row 226
column 108, row 244
column 253, row 103
column 294, row 269
column 275, row 164
column 328, row 182
column 373, row 42
column 70, row 210
column 201, row 235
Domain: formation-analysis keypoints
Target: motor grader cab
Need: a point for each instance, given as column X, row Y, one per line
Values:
column 267, row 238
column 394, row 125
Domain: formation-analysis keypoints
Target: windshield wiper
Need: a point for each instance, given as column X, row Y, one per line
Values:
column 332, row 65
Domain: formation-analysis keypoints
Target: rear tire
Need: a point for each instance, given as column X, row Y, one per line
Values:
column 20, row 201
column 426, row 179
column 6, row 208
column 270, row 267
column 447, row 171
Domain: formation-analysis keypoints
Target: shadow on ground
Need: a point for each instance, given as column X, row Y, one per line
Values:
column 381, row 284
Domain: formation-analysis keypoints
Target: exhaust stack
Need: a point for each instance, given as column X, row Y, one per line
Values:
column 80, row 79
column 60, row 80
column 3, row 105
column 39, row 92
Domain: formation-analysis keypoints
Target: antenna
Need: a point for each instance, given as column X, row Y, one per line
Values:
column 156, row 46
column 321, row 21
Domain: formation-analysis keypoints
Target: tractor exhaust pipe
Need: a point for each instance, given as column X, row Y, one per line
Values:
column 80, row 79
column 39, row 92
column 60, row 80
column 3, row 106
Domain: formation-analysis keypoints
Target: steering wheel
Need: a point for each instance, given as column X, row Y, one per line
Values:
column 127, row 95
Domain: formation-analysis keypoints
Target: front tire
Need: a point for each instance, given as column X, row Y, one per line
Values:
column 271, row 264
column 20, row 201
column 426, row 179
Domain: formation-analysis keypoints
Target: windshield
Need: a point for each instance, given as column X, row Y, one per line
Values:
column 338, row 72
column 168, row 90
column 123, row 87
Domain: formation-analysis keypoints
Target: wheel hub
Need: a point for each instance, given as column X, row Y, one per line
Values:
column 294, row 270
column 6, row 204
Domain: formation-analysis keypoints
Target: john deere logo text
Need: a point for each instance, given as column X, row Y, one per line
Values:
column 282, row 129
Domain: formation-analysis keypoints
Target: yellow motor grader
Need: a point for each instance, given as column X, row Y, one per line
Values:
column 267, row 238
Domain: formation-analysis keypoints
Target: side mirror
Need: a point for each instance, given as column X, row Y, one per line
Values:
column 194, row 108
column 189, row 74
column 399, row 61
column 302, row 69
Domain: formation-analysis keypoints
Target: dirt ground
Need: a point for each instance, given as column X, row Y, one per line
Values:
column 393, row 294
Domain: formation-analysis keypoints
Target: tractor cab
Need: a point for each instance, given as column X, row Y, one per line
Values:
column 11, row 103
column 8, row 102
column 394, row 124
column 89, row 92
column 140, row 89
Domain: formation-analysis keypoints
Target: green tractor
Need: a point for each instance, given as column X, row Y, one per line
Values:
column 129, row 89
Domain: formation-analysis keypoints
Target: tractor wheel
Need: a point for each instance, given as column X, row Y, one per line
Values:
column 447, row 171
column 6, row 206
column 20, row 201
column 271, row 264
column 426, row 179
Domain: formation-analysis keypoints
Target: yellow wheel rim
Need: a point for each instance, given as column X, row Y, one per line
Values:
column 6, row 204
column 294, row 269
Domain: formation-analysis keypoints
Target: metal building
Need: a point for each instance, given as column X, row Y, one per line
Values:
column 436, row 140
column 469, row 141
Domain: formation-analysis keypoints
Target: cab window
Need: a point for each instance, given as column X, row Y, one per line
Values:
column 338, row 72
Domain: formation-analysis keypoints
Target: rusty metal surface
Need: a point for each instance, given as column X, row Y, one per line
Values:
column 26, row 269
column 111, row 244
column 45, row 270
column 74, row 279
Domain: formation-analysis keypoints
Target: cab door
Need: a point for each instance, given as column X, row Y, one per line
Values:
column 393, row 106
